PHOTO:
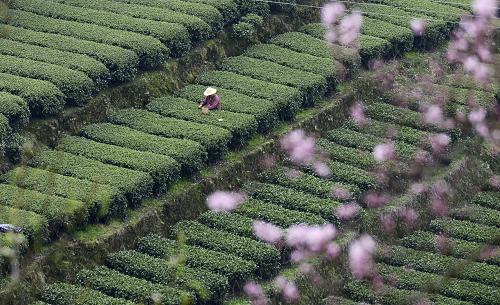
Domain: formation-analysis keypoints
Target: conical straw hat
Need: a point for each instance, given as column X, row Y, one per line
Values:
column 210, row 91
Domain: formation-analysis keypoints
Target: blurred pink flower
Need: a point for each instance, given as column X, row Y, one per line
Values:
column 418, row 188
column 287, row 288
column 439, row 142
column 418, row 26
column 224, row 201
column 349, row 28
column 495, row 181
column 341, row 193
column 439, row 207
column 322, row 169
column 388, row 223
column 306, row 268
column 357, row 112
column 375, row 200
column 411, row 217
column 442, row 244
column 433, row 114
column 360, row 257
column 488, row 252
column 333, row 251
column 311, row 238
column 300, row 147
column 331, row 12
column 484, row 8
column 384, row 152
column 267, row 231
column 347, row 211
column 253, row 290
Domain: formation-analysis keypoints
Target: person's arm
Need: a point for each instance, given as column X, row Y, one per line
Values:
column 202, row 103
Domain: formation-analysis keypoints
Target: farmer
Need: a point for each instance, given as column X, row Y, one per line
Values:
column 211, row 101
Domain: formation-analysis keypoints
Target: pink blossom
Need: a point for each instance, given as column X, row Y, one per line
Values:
column 322, row 169
column 349, row 28
column 331, row 12
column 384, row 152
column 374, row 200
column 488, row 252
column 331, row 36
column 417, row 188
column 333, row 251
column 347, row 211
column 482, row 73
column 471, row 63
column 477, row 115
column 484, row 8
column 360, row 257
column 341, row 193
column 439, row 207
column 293, row 174
column 224, row 201
column 482, row 129
column 439, row 142
column 312, row 238
column 388, row 223
column 433, row 115
column 253, row 290
column 357, row 112
column 287, row 288
column 411, row 217
column 267, row 232
column 418, row 26
column 300, row 147
column 442, row 244
column 495, row 181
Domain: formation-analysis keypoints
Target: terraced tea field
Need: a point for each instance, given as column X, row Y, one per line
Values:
column 61, row 53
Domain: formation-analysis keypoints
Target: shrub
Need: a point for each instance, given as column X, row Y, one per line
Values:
column 393, row 296
column 286, row 98
column 463, row 96
column 215, row 139
column 455, row 288
column 102, row 200
column 305, row 182
column 431, row 8
column 312, row 85
column 292, row 199
column 228, row 8
column 206, row 12
column 188, row 153
column 231, row 266
column 478, row 214
column 150, row 50
column 34, row 225
column 242, row 126
column 304, row 43
column 488, row 199
column 354, row 156
column 436, row 30
column 198, row 29
column 175, row 36
column 396, row 115
column 254, row 19
column 59, row 212
column 368, row 142
column 253, row 7
column 265, row 111
column 325, row 67
column 466, row 230
column 228, row 222
column 43, row 98
column 244, row 30
column 5, row 132
column 121, row 63
column 351, row 175
column 266, row 257
column 400, row 37
column 207, row 285
column 441, row 264
column 74, row 84
column 67, row 294
column 119, row 285
column 280, row 216
column 380, row 129
column 163, row 169
column 15, row 109
column 371, row 47
column 426, row 241
column 94, row 69
column 135, row 185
